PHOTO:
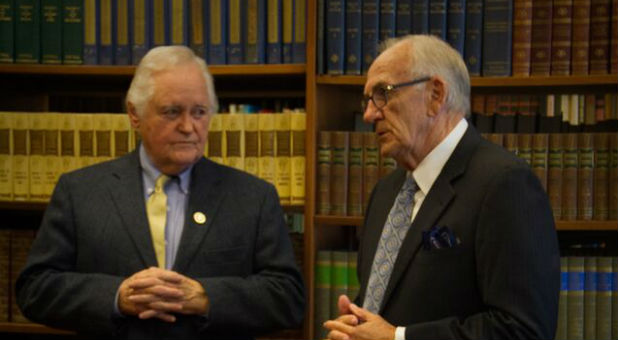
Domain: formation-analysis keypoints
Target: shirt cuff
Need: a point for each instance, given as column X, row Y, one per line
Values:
column 400, row 333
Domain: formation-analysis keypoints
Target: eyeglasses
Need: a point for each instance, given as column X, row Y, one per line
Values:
column 379, row 97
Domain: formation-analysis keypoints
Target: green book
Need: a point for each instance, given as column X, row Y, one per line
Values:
column 7, row 27
column 604, row 298
column 72, row 31
column 323, row 280
column 561, row 330
column 353, row 284
column 51, row 31
column 339, row 276
column 27, row 31
column 590, row 297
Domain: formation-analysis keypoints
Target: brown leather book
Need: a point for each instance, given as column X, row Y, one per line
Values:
column 4, row 274
column 585, row 176
column 496, row 138
column 522, row 36
column 613, row 44
column 524, row 147
column 554, row 174
column 355, row 186
column 540, row 56
column 21, row 241
column 539, row 157
column 613, row 177
column 510, row 142
column 561, row 37
column 325, row 159
column 601, row 176
column 581, row 37
column 599, row 36
column 569, row 176
column 371, row 165
column 340, row 141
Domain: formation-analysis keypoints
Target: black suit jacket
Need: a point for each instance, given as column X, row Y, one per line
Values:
column 502, row 281
column 95, row 234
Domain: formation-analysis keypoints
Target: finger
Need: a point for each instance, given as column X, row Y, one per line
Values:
column 143, row 298
column 171, row 277
column 145, row 282
column 156, row 314
column 337, row 335
column 166, row 292
column 343, row 304
column 348, row 319
column 339, row 326
column 361, row 313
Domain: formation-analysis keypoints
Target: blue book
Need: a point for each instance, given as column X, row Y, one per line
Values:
column 353, row 37
column 255, row 14
column 217, row 20
column 178, row 22
column 420, row 16
column 321, row 37
column 235, row 36
column 456, row 24
column 437, row 18
column 141, row 25
column 370, row 24
column 106, row 32
column 335, row 42
column 160, row 30
column 122, row 54
column 91, row 32
column 299, row 54
column 287, row 30
column 497, row 38
column 387, row 19
column 198, row 24
column 474, row 36
column 273, row 32
column 404, row 18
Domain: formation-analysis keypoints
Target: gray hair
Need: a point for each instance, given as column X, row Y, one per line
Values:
column 159, row 59
column 431, row 56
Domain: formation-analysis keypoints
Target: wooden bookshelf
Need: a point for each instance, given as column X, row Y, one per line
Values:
column 30, row 328
column 560, row 225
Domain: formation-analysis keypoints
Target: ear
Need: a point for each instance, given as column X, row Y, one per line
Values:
column 437, row 96
column 133, row 116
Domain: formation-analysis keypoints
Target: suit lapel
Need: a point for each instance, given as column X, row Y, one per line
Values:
column 127, row 194
column 204, row 197
column 436, row 201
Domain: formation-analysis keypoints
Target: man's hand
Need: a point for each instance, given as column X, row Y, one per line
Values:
column 156, row 292
column 367, row 326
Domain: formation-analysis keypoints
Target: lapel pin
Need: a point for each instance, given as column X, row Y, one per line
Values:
column 199, row 217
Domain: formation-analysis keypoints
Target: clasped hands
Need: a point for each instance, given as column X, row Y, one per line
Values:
column 160, row 293
column 355, row 322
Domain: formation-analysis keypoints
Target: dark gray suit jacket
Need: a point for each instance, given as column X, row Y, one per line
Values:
column 503, row 279
column 95, row 234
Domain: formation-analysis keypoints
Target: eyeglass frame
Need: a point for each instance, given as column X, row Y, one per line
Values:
column 388, row 88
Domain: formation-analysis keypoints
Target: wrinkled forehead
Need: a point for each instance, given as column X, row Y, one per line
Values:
column 391, row 67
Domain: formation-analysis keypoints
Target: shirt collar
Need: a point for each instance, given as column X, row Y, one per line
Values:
column 151, row 173
column 430, row 167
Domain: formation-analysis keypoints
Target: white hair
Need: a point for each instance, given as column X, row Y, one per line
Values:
column 431, row 56
column 160, row 59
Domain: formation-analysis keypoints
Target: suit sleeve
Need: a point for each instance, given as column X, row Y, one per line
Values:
column 273, row 296
column 49, row 290
column 518, row 266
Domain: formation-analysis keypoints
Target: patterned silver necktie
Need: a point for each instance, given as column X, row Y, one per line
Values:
column 395, row 230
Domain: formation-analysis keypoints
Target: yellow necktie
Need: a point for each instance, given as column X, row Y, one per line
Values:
column 156, row 208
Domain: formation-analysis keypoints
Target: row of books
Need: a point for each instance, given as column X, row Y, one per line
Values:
column 495, row 37
column 578, row 170
column 526, row 113
column 349, row 166
column 335, row 275
column 36, row 148
column 268, row 145
column 588, row 304
column 120, row 32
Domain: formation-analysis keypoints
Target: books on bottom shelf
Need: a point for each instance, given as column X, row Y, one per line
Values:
column 14, row 247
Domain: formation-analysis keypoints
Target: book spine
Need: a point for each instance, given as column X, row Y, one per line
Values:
column 403, row 16
column 554, row 174
column 325, row 159
column 387, row 19
column 218, row 32
column 299, row 54
column 456, row 24
column 561, row 37
column 72, row 32
column 5, row 283
column 51, row 31
column 371, row 165
column 474, row 36
column 21, row 241
column 159, row 20
column 254, row 32
column 86, row 139
column 6, row 162
column 103, row 136
column 590, row 297
column 287, row 30
column 420, row 16
column 21, row 180
column 355, row 175
column 437, row 18
column 335, row 42
column 298, row 123
column 179, row 20
column 122, row 53
column 339, row 173
column 561, row 330
column 370, row 24
column 387, row 165
column 273, row 32
column 215, row 139
column 323, row 283
column 524, row 147
column 252, row 144
column 569, row 177
column 7, row 31
column 91, row 32
column 106, row 27
column 353, row 37
column 141, row 29
column 198, row 17
column 497, row 37
column 268, row 170
column 321, row 37
column 600, row 14
column 604, row 298
column 581, row 37
column 585, row 173
column 68, row 142
column 339, row 277
column 613, row 43
column 235, row 37
column 601, row 177
column 234, row 141
column 121, row 129
column 614, row 297
column 511, row 142
column 51, row 153
column 27, row 31
column 575, row 300
column 540, row 58
column 353, row 284
column 539, row 157
column 613, row 178
column 283, row 154
column 522, row 37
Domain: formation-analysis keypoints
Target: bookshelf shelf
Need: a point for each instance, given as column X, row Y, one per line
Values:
column 478, row 82
column 560, row 225
column 30, row 328
column 120, row 71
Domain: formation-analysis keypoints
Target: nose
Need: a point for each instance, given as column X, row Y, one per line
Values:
column 185, row 123
column 372, row 113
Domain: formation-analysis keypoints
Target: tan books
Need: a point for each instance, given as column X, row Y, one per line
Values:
column 522, row 37
column 581, row 37
column 524, row 147
column 554, row 174
column 68, row 142
column 234, row 126
column 282, row 159
column 252, row 144
column 585, row 176
column 36, row 160
column 604, row 298
column 85, row 139
column 215, row 139
column 340, row 141
column 510, row 142
column 561, row 329
column 371, row 165
column 496, row 138
column 121, row 140
column 268, row 167
column 561, row 37
column 298, row 127
column 539, row 157
column 355, row 185
column 601, row 176
column 569, row 176
column 575, row 300
column 590, row 297
column 6, row 162
column 52, row 164
column 325, row 159
column 103, row 125
column 21, row 164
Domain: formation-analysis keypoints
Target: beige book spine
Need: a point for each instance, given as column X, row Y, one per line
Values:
column 68, row 142
column 298, row 125
column 283, row 154
column 36, row 134
column 103, row 125
column 21, row 179
column 215, row 139
column 235, row 141
column 85, row 139
column 52, row 152
column 252, row 144
column 6, row 162
column 268, row 170
column 121, row 129
column 585, row 176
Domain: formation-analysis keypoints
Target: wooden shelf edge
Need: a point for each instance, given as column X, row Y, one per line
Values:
column 533, row 81
column 117, row 70
column 560, row 225
column 30, row 328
